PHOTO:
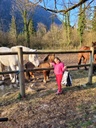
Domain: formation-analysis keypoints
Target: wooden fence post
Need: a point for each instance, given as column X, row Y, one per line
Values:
column 21, row 72
column 91, row 66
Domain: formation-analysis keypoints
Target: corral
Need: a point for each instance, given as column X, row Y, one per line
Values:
column 21, row 69
column 42, row 108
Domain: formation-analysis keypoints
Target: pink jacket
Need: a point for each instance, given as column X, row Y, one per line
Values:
column 58, row 68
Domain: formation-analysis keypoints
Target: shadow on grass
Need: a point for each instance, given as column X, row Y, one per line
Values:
column 46, row 93
column 79, row 87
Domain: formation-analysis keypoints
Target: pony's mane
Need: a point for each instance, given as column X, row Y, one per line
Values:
column 46, row 58
column 49, row 58
column 94, row 44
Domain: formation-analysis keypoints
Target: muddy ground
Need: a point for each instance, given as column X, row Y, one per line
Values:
column 42, row 108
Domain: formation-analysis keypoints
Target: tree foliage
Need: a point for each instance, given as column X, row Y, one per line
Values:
column 94, row 20
column 81, row 23
column 13, row 32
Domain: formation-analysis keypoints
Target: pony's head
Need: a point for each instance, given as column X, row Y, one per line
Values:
column 93, row 44
column 49, row 58
column 33, row 58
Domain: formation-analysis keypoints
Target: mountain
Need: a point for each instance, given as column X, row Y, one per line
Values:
column 45, row 17
column 5, row 14
column 40, row 15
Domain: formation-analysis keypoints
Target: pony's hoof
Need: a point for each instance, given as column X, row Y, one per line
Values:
column 48, row 80
column 1, row 82
column 12, row 81
column 2, row 87
column 44, row 81
column 3, row 78
column 17, row 81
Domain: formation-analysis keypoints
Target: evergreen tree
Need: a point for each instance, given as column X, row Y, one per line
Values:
column 13, row 32
column 81, row 23
column 26, row 25
column 31, row 28
column 94, row 20
column 67, row 27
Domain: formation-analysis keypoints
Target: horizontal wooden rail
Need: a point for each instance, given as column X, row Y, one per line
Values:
column 8, row 53
column 56, row 52
column 40, row 69
column 46, row 52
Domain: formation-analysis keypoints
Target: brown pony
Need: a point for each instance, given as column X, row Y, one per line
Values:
column 44, row 64
column 85, row 56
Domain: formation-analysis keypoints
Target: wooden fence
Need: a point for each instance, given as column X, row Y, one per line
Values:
column 22, row 70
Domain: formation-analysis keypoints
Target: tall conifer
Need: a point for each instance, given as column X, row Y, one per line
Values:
column 13, row 31
column 81, row 23
column 94, row 20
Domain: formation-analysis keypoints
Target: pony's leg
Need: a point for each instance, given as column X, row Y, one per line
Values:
column 84, row 61
column 44, row 74
column 14, row 76
column 1, row 70
column 32, row 75
column 47, row 73
column 27, row 76
column 79, row 59
column 10, row 75
column 3, row 78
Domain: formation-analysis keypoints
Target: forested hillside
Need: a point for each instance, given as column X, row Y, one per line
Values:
column 33, row 25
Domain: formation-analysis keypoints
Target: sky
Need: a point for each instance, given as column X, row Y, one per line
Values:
column 63, row 4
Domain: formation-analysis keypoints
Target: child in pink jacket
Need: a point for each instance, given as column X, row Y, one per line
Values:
column 59, row 68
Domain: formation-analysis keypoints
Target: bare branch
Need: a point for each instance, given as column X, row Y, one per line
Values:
column 86, row 7
column 71, row 8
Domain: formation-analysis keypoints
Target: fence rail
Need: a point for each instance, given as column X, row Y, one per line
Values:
column 45, row 52
column 40, row 69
